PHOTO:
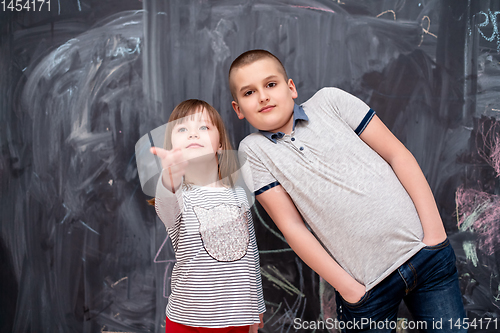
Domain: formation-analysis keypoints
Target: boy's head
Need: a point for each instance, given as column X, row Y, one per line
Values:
column 262, row 92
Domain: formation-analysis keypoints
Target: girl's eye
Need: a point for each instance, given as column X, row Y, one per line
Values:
column 204, row 128
column 182, row 129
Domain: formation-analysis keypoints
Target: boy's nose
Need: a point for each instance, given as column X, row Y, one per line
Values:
column 264, row 97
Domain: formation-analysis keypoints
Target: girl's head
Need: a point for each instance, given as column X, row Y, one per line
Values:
column 195, row 114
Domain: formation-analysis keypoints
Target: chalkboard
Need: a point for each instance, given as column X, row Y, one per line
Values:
column 81, row 81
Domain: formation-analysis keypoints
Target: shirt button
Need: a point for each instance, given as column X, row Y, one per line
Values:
column 301, row 148
column 293, row 139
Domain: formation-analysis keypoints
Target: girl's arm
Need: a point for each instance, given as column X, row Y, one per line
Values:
column 168, row 205
column 168, row 198
column 255, row 327
column 281, row 209
column 260, row 293
column 406, row 168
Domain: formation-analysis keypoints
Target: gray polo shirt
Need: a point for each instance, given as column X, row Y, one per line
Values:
column 348, row 195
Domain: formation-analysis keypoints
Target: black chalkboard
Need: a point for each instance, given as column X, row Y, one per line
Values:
column 81, row 83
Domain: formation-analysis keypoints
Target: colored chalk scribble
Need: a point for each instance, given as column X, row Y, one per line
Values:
column 477, row 210
column 478, row 220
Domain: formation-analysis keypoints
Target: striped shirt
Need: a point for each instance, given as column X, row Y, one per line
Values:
column 216, row 279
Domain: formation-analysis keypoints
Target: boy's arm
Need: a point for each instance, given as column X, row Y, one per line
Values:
column 406, row 168
column 279, row 206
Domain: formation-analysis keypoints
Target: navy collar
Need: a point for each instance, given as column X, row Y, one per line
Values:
column 298, row 114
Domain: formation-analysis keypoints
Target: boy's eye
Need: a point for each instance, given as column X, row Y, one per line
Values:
column 271, row 84
column 248, row 93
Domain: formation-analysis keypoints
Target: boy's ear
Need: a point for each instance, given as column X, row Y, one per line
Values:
column 292, row 88
column 236, row 109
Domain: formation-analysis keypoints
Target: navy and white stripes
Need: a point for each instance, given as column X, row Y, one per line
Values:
column 207, row 292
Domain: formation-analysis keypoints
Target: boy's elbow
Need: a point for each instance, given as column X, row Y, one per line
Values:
column 404, row 158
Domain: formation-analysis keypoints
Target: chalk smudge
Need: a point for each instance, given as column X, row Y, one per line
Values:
column 477, row 210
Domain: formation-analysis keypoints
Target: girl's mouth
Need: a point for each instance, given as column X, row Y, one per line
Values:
column 195, row 145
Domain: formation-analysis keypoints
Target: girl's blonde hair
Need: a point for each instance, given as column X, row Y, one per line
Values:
column 228, row 163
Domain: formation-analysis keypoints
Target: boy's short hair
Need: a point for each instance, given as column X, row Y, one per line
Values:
column 249, row 57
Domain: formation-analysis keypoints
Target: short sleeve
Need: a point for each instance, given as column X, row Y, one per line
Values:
column 356, row 113
column 256, row 175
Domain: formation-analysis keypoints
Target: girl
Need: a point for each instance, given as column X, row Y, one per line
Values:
column 216, row 283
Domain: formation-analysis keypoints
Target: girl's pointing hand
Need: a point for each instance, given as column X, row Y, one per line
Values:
column 173, row 165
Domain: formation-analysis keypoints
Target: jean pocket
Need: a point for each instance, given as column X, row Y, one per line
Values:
column 359, row 303
column 438, row 246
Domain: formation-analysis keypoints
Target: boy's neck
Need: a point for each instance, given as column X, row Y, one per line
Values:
column 287, row 128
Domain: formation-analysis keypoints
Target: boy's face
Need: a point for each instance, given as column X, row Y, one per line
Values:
column 263, row 96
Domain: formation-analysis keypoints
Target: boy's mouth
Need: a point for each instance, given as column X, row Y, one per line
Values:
column 267, row 108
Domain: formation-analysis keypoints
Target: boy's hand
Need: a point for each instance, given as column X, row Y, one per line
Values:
column 174, row 165
column 255, row 327
column 354, row 293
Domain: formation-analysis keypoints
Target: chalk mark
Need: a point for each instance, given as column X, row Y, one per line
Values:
column 315, row 8
column 88, row 227
column 497, row 296
column 280, row 281
column 490, row 17
column 275, row 251
column 388, row 11
column 426, row 30
column 122, row 279
column 169, row 262
column 470, row 252
column 291, row 313
column 275, row 312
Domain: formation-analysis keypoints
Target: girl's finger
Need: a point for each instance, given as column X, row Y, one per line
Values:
column 160, row 152
column 172, row 156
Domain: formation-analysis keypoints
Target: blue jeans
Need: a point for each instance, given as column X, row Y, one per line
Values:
column 428, row 284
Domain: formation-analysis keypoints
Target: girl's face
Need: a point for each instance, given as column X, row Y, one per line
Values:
column 196, row 136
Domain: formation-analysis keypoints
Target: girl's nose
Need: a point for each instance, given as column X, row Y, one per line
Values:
column 193, row 134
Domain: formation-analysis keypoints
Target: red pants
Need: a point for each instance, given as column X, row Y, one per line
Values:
column 172, row 327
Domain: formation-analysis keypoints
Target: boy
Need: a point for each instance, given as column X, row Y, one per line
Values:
column 378, row 237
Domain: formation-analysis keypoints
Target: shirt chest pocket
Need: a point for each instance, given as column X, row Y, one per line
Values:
column 224, row 231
